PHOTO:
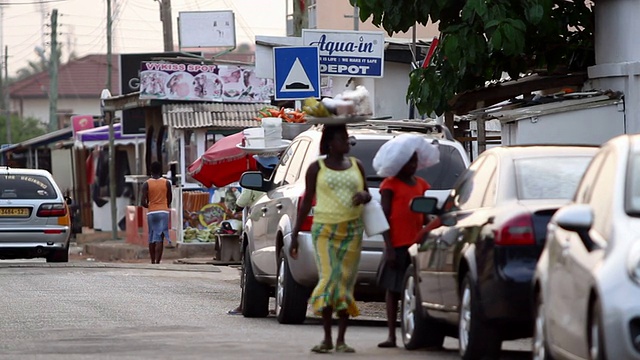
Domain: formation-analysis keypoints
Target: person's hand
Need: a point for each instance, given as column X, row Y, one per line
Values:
column 361, row 197
column 390, row 257
column 293, row 249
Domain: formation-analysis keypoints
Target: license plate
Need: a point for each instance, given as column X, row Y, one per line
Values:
column 14, row 212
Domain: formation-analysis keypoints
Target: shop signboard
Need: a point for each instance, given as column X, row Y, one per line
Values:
column 201, row 82
column 348, row 53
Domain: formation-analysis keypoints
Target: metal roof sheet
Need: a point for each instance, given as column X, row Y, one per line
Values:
column 211, row 115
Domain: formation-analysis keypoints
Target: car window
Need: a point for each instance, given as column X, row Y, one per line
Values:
column 441, row 176
column 293, row 171
column 584, row 189
column 281, row 169
column 26, row 187
column 549, row 178
column 472, row 192
column 602, row 195
column 490, row 195
column 632, row 196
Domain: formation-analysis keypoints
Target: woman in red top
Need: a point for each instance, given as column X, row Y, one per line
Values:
column 396, row 193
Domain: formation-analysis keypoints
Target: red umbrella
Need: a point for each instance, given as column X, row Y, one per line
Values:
column 223, row 163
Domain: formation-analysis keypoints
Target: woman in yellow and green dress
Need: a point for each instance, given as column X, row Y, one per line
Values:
column 337, row 183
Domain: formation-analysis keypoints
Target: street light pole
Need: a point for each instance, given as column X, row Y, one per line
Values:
column 109, row 117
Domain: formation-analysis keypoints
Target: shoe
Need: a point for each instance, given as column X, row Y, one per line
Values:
column 387, row 344
column 344, row 348
column 234, row 312
column 322, row 348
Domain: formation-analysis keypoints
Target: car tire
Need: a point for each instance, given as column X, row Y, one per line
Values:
column 595, row 333
column 540, row 348
column 58, row 256
column 477, row 339
column 418, row 330
column 291, row 297
column 255, row 295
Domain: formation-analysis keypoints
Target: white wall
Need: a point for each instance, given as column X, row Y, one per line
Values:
column 39, row 108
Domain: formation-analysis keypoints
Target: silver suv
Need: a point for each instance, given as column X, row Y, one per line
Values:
column 268, row 271
column 34, row 216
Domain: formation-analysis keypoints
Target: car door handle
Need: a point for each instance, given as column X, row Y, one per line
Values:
column 279, row 206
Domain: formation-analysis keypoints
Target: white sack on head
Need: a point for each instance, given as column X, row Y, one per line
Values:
column 395, row 153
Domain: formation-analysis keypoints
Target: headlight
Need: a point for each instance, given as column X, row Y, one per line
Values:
column 633, row 262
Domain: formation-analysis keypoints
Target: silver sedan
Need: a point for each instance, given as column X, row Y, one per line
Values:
column 587, row 281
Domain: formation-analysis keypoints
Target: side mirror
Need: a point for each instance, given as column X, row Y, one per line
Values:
column 425, row 205
column 68, row 200
column 253, row 180
column 579, row 219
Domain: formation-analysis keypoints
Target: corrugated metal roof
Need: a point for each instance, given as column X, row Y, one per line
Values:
column 211, row 115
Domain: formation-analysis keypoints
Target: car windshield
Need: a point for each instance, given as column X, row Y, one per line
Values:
column 441, row 176
column 549, row 178
column 26, row 187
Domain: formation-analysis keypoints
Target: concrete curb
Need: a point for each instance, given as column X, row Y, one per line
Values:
column 101, row 265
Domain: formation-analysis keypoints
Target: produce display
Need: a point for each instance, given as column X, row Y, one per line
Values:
column 287, row 115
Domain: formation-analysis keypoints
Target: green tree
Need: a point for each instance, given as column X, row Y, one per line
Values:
column 21, row 129
column 481, row 39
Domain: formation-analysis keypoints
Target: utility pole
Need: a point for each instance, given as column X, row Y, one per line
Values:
column 112, row 148
column 300, row 17
column 167, row 25
column 5, row 94
column 53, row 73
column 356, row 18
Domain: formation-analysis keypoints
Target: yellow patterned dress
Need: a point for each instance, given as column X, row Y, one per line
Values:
column 337, row 238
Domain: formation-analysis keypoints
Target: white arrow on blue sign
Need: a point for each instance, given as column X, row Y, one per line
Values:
column 296, row 72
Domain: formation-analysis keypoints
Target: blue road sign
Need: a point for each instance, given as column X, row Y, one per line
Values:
column 296, row 72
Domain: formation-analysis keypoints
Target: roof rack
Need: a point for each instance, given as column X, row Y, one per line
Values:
column 421, row 126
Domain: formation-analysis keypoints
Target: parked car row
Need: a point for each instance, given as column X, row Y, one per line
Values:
column 267, row 269
column 535, row 241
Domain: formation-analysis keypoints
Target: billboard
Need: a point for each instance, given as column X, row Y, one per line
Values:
column 199, row 29
column 201, row 82
column 348, row 53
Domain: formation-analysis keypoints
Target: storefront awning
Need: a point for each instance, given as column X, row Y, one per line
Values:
column 42, row 140
column 211, row 115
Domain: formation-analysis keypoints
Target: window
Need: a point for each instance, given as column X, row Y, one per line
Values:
column 281, row 170
column 296, row 163
column 601, row 198
column 584, row 189
column 632, row 198
column 472, row 191
column 549, row 177
column 16, row 186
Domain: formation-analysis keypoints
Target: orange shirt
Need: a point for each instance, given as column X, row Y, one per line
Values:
column 157, row 193
column 404, row 223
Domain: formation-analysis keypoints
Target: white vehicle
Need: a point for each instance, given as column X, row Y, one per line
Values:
column 587, row 281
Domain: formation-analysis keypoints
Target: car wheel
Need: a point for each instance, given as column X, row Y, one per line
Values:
column 540, row 350
column 291, row 297
column 596, row 340
column 477, row 340
column 58, row 256
column 417, row 329
column 255, row 295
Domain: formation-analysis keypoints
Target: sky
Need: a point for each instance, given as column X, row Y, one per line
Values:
column 136, row 26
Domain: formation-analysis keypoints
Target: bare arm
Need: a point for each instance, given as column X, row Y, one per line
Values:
column 385, row 200
column 169, row 194
column 144, row 197
column 311, row 179
column 363, row 196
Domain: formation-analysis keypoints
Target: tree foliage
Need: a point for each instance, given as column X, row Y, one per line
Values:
column 481, row 39
column 21, row 129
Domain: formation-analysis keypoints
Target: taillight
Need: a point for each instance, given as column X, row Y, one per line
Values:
column 308, row 221
column 52, row 210
column 517, row 231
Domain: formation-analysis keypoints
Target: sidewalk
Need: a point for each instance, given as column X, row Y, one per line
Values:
column 119, row 250
column 105, row 265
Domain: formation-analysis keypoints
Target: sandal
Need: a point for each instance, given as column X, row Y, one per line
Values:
column 387, row 344
column 344, row 348
column 322, row 348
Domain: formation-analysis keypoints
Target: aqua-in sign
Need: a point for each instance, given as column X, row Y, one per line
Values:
column 348, row 53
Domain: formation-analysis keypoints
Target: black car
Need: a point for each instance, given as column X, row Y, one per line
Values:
column 471, row 275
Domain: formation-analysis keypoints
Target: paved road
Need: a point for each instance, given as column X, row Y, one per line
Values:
column 134, row 312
